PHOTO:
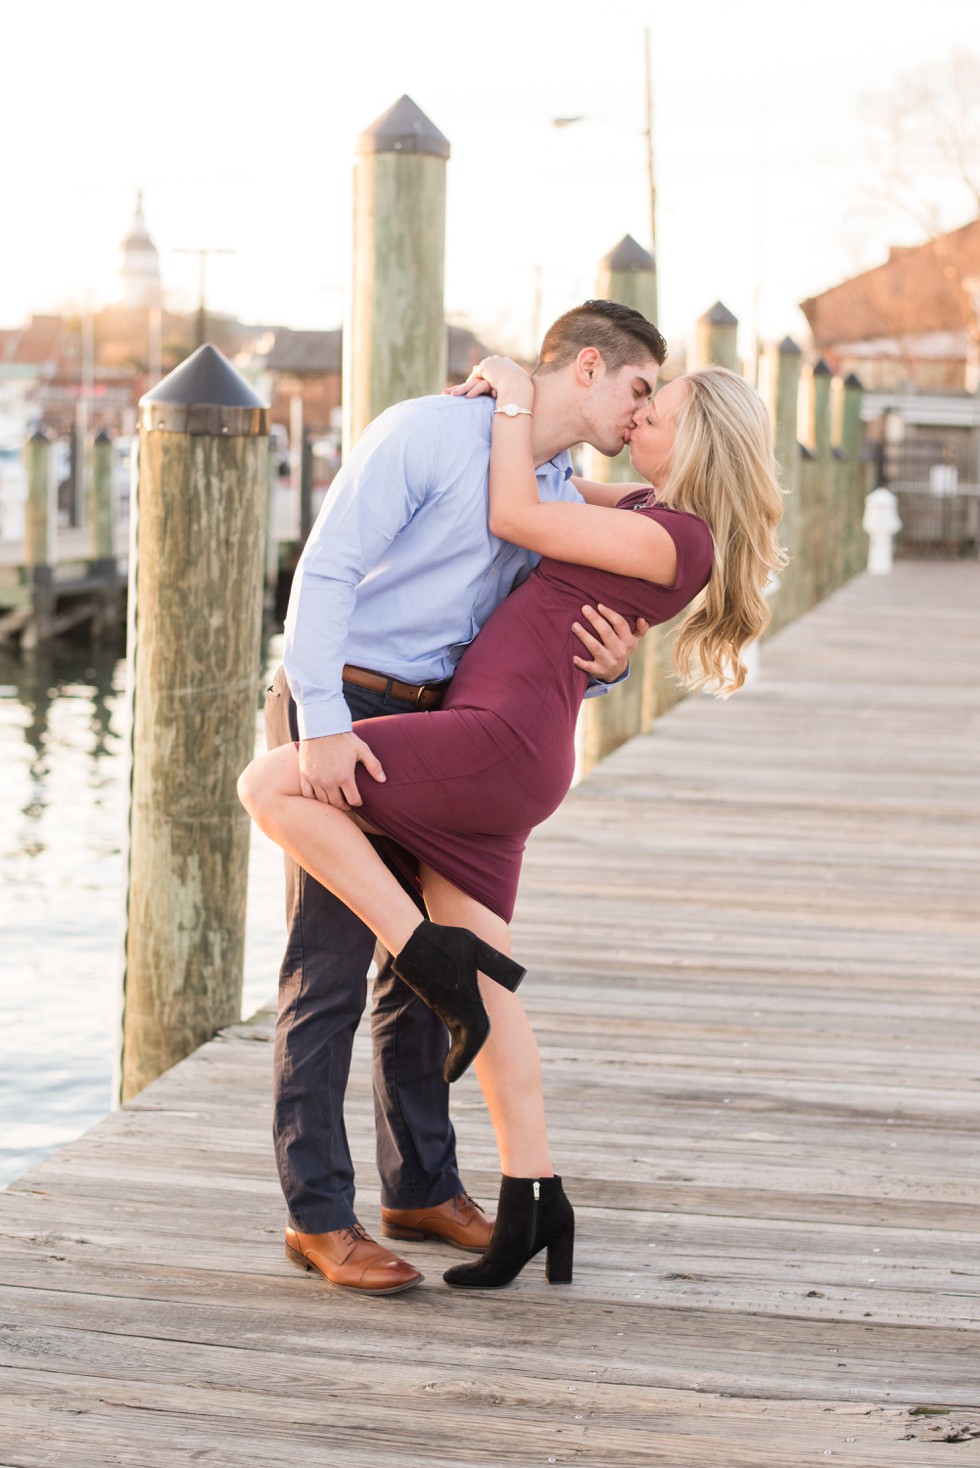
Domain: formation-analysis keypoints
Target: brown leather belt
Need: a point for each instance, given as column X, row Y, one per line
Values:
column 423, row 695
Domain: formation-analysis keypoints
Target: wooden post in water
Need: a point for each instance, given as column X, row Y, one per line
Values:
column 40, row 521
column 196, row 578
column 715, row 339
column 271, row 539
column 101, row 499
column 395, row 337
column 780, row 387
column 101, row 518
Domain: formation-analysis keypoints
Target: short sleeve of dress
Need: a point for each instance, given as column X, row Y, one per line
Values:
column 692, row 541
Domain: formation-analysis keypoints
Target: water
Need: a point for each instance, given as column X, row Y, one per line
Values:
column 62, row 825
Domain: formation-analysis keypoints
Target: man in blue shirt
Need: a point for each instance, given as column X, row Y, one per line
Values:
column 399, row 574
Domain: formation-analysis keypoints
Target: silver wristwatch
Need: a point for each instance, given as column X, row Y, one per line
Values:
column 513, row 411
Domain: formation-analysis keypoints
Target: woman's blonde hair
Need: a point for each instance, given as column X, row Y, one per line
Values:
column 723, row 469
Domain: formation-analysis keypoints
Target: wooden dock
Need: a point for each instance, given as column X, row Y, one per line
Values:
column 754, row 941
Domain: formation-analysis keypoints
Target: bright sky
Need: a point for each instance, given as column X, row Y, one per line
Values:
column 238, row 120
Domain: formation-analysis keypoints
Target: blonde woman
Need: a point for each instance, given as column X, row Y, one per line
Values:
column 463, row 786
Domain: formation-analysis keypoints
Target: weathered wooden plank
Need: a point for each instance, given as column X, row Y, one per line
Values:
column 695, row 1428
column 753, row 938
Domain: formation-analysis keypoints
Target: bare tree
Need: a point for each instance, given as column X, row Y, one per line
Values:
column 923, row 147
column 923, row 139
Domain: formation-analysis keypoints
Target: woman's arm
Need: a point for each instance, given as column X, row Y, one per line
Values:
column 586, row 535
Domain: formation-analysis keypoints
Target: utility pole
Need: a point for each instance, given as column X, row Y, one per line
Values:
column 651, row 183
column 202, row 315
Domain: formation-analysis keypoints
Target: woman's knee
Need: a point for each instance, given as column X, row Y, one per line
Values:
column 254, row 786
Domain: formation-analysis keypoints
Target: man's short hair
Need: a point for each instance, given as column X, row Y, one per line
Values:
column 618, row 333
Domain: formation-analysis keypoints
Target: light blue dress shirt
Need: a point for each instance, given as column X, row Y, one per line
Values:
column 401, row 571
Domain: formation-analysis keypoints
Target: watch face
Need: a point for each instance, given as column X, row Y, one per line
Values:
column 511, row 409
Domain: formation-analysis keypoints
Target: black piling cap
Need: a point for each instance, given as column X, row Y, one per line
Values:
column 102, row 436
column 628, row 255
column 852, row 380
column 206, row 395
column 822, row 370
column 788, row 348
column 719, row 315
column 404, row 128
column 205, row 377
column 39, row 436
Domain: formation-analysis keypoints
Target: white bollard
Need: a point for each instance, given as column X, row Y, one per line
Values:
column 882, row 524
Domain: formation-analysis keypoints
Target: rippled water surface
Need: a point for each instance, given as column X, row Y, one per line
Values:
column 62, row 828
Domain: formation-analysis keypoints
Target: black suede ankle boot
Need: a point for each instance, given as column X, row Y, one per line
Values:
column 442, row 966
column 532, row 1214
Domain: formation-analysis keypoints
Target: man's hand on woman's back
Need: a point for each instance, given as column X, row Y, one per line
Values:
column 609, row 641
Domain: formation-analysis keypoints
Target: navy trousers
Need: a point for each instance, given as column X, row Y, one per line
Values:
column 322, row 994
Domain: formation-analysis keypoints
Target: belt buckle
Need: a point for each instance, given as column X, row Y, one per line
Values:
column 423, row 690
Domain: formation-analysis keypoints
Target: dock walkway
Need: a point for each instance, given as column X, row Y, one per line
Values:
column 754, row 944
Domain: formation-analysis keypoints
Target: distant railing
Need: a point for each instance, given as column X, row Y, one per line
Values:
column 938, row 524
column 938, row 503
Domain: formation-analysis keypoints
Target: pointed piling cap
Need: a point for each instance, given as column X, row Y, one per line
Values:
column 788, row 348
column 102, row 436
column 39, row 435
column 852, row 380
column 719, row 315
column 821, row 369
column 205, row 394
column 404, row 128
column 628, row 255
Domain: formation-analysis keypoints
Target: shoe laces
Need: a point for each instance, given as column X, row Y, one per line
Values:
column 353, row 1232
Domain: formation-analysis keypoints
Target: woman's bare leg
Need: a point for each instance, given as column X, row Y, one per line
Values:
column 328, row 844
column 508, row 1067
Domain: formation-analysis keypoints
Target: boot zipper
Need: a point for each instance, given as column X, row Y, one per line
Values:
column 535, row 1196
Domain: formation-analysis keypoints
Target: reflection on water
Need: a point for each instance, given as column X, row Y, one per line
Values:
column 61, row 888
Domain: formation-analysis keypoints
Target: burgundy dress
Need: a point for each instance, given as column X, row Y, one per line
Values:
column 467, row 783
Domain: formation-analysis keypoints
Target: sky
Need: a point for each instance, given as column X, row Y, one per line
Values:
column 238, row 121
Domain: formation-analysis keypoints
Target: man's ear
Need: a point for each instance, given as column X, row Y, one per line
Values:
column 587, row 365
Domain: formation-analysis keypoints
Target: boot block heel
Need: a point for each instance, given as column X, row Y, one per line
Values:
column 498, row 966
column 558, row 1260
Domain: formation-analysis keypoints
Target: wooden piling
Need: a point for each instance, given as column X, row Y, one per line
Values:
column 40, row 523
column 628, row 275
column 715, row 339
column 101, row 517
column 271, row 540
column 196, row 579
column 395, row 340
column 823, row 520
column 856, row 481
column 101, row 500
column 781, row 365
column 40, row 512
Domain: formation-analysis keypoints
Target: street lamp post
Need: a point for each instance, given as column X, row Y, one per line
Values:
column 646, row 133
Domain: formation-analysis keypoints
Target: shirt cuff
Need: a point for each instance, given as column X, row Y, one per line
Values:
column 595, row 688
column 323, row 716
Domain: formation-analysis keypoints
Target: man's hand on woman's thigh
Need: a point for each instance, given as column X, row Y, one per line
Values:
column 327, row 766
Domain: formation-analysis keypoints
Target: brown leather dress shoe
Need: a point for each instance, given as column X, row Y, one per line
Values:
column 350, row 1258
column 460, row 1221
